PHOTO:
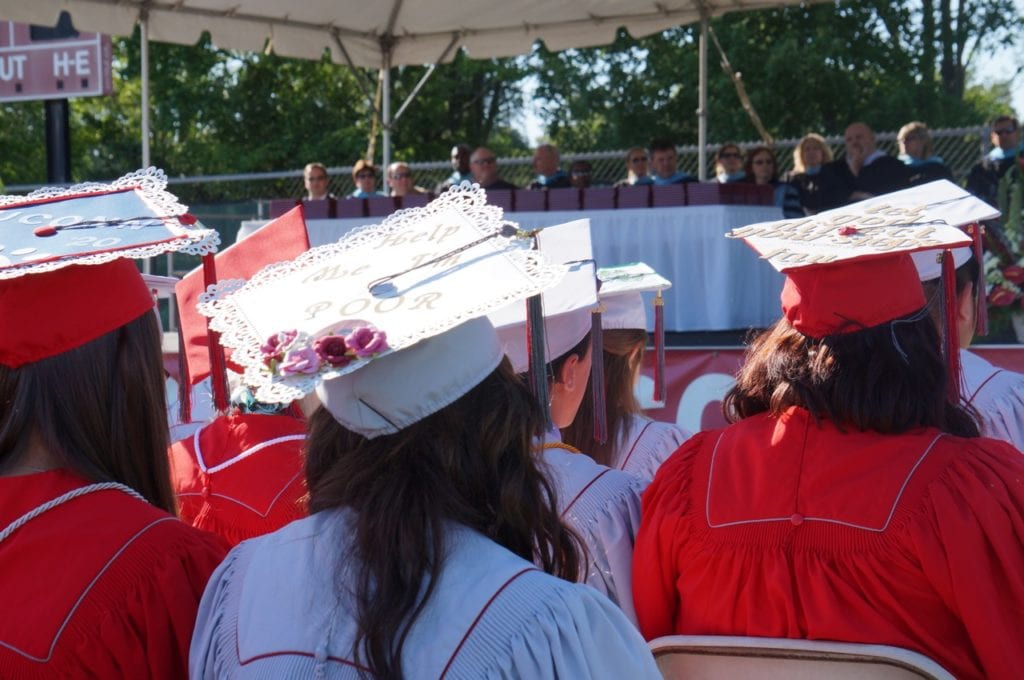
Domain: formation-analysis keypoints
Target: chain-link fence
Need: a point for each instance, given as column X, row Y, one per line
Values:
column 223, row 201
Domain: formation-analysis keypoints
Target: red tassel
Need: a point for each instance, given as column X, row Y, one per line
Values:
column 980, row 286
column 660, row 392
column 218, row 364
column 951, row 341
column 184, row 380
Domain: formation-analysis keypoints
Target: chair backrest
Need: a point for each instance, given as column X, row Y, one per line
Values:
column 668, row 195
column 599, row 198
column 279, row 206
column 380, row 206
column 531, row 200
column 415, row 200
column 638, row 196
column 501, row 198
column 351, row 207
column 564, row 199
column 712, row 657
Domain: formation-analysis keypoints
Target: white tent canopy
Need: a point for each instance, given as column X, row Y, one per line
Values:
column 386, row 33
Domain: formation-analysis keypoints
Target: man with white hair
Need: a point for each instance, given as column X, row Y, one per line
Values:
column 863, row 172
column 547, row 164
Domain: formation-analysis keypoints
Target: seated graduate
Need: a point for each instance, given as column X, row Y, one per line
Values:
column 434, row 545
column 996, row 394
column 851, row 498
column 238, row 473
column 602, row 505
column 98, row 578
column 635, row 443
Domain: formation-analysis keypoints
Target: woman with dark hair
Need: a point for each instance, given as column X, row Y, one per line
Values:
column 635, row 443
column 97, row 576
column 849, row 499
column 760, row 168
column 434, row 545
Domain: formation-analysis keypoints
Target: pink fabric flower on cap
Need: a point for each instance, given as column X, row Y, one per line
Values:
column 304, row 360
column 334, row 350
column 276, row 345
column 367, row 341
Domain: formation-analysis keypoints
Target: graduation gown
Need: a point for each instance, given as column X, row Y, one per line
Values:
column 998, row 397
column 101, row 586
column 784, row 528
column 241, row 475
column 602, row 506
column 280, row 607
column 645, row 446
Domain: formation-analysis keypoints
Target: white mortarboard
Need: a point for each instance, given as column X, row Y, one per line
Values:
column 66, row 275
column 384, row 323
column 620, row 294
column 850, row 268
column 623, row 307
column 567, row 307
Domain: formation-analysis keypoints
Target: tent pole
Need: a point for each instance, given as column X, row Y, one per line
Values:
column 385, row 119
column 702, row 101
column 147, row 264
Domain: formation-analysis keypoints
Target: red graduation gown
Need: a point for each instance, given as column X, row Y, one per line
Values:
column 783, row 528
column 102, row 586
column 241, row 475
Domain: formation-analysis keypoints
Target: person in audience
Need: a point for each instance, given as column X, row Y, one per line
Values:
column 809, row 155
column 636, row 168
column 996, row 394
column 484, row 165
column 400, row 180
column 364, row 174
column 916, row 152
column 849, row 499
column 317, row 182
column 99, row 578
column 863, row 173
column 665, row 163
column 460, row 168
column 433, row 549
column 759, row 168
column 635, row 444
column 984, row 177
column 729, row 164
column 547, row 165
column 581, row 174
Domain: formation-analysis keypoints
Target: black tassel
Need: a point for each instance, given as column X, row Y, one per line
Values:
column 535, row 343
column 597, row 386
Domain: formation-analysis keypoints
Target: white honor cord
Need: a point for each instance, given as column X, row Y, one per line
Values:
column 64, row 498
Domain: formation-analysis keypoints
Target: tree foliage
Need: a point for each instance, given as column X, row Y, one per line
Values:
column 815, row 67
column 807, row 68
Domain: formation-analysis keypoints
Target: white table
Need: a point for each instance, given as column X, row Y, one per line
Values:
column 717, row 283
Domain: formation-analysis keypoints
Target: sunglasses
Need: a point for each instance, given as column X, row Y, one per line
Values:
column 729, row 154
column 317, row 178
column 764, row 161
column 366, row 175
column 1005, row 131
column 638, row 159
column 484, row 161
column 401, row 175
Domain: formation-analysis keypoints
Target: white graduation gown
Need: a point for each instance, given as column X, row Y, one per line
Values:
column 998, row 397
column 602, row 506
column 278, row 607
column 646, row 444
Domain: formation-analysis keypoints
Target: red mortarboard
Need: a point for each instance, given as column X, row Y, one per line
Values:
column 281, row 239
column 849, row 269
column 43, row 315
column 66, row 277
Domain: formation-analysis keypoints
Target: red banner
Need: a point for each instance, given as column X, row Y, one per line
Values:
column 698, row 378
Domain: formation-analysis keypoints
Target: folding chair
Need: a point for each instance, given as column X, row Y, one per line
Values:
column 714, row 657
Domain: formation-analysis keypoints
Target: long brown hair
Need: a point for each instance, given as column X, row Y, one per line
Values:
column 623, row 354
column 888, row 379
column 98, row 409
column 473, row 463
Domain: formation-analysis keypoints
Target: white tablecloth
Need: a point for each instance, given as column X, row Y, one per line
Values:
column 717, row 283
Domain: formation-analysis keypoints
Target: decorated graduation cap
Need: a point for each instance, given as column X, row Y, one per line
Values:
column 850, row 269
column 537, row 333
column 623, row 307
column 66, row 270
column 386, row 324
